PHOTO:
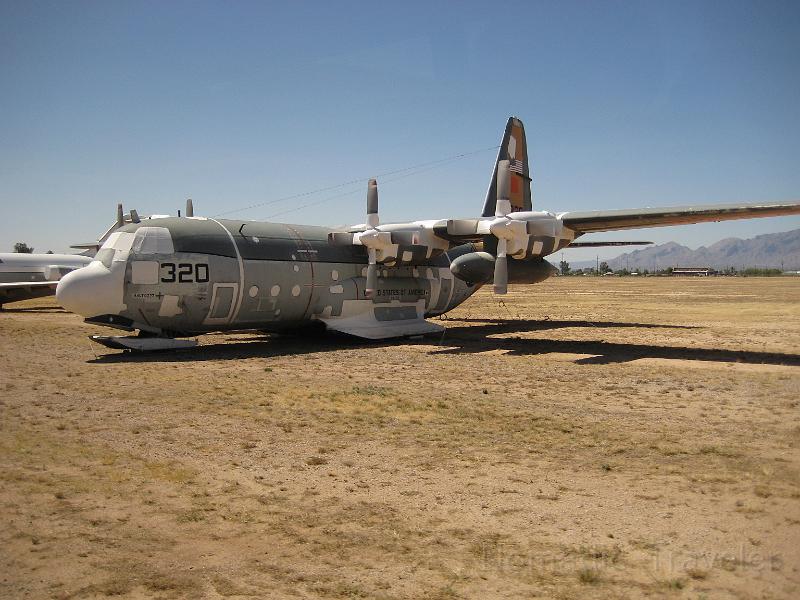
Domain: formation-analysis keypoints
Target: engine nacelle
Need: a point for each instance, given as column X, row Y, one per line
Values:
column 473, row 267
column 478, row 268
column 533, row 270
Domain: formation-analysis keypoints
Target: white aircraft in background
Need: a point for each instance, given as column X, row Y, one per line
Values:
column 24, row 276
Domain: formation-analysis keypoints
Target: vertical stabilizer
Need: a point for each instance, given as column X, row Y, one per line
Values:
column 514, row 149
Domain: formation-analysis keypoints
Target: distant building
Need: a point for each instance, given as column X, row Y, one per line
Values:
column 696, row 271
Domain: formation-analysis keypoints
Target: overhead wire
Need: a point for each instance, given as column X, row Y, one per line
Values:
column 409, row 171
column 356, row 191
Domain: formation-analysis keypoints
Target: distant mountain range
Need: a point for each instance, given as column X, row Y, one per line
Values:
column 771, row 250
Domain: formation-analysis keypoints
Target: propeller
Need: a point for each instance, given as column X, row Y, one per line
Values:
column 372, row 222
column 120, row 216
column 512, row 234
column 381, row 246
column 377, row 242
column 501, row 211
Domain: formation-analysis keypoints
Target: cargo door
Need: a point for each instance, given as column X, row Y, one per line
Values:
column 223, row 299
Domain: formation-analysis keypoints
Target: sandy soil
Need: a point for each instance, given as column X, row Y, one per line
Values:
column 586, row 438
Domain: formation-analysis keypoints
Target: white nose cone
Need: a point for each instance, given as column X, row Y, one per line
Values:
column 91, row 291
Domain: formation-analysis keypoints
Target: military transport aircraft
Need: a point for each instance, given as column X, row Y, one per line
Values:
column 177, row 277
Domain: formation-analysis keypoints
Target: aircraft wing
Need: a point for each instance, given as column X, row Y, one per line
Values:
column 603, row 244
column 25, row 290
column 24, row 285
column 610, row 220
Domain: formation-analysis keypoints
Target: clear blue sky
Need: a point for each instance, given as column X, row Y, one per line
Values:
column 238, row 103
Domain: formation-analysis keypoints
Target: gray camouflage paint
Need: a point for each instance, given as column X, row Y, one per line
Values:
column 274, row 277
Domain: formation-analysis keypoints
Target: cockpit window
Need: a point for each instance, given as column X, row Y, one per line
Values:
column 153, row 240
column 115, row 248
column 119, row 240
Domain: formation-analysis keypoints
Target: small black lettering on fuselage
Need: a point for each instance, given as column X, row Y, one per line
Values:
column 148, row 295
column 418, row 292
column 184, row 272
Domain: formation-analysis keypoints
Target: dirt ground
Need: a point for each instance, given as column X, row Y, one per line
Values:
column 586, row 438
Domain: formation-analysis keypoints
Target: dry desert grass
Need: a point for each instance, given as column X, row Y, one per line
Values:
column 587, row 438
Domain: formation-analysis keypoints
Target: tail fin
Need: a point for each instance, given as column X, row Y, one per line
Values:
column 513, row 148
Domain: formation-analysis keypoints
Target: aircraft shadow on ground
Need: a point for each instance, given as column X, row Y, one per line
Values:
column 35, row 309
column 458, row 340
column 474, row 338
column 512, row 325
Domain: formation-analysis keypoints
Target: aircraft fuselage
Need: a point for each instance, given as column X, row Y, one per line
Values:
column 185, row 276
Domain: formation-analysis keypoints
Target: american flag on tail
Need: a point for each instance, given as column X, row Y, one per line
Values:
column 515, row 166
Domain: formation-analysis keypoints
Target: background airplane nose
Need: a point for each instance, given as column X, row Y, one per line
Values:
column 91, row 291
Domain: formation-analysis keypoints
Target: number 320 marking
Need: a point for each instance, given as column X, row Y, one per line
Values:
column 185, row 272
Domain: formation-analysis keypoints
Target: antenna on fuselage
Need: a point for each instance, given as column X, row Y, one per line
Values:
column 189, row 208
column 120, row 215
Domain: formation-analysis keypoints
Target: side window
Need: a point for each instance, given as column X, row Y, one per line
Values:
column 105, row 256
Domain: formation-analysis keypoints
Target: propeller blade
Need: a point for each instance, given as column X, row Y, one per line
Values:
column 134, row 216
column 503, row 206
column 372, row 274
column 372, row 203
column 120, row 216
column 501, row 275
column 501, row 268
column 189, row 208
